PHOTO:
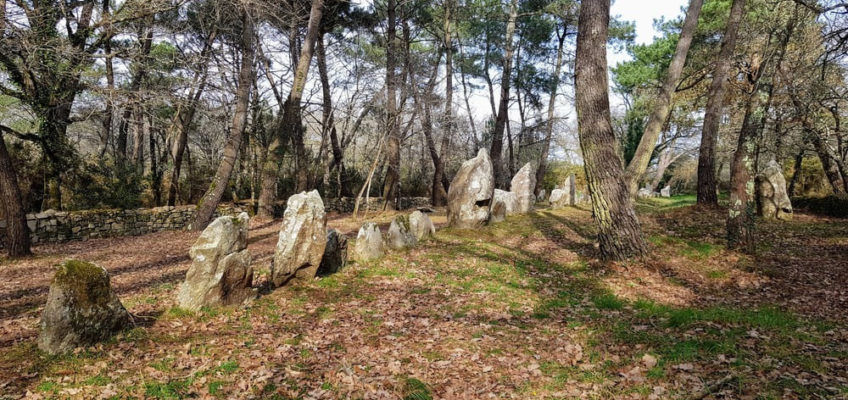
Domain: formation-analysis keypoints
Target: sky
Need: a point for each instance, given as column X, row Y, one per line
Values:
column 643, row 13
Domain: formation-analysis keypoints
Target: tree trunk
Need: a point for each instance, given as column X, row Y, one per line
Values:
column 740, row 217
column 291, row 115
column 796, row 172
column 620, row 234
column 392, row 181
column 185, row 116
column 503, row 107
column 329, row 117
column 17, row 232
column 549, row 124
column 209, row 202
column 662, row 106
column 439, row 192
column 707, row 186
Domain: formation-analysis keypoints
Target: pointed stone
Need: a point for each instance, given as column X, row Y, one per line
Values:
column 471, row 191
column 523, row 184
column 220, row 272
column 302, row 239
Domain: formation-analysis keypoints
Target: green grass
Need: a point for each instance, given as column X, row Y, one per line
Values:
column 608, row 301
column 415, row 389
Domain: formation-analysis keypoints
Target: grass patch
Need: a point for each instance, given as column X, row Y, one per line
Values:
column 415, row 389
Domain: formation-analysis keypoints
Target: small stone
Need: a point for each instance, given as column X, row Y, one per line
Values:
column 81, row 309
column 400, row 234
column 369, row 243
column 421, row 225
column 335, row 253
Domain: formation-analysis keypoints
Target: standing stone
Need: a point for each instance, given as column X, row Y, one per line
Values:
column 471, row 191
column 559, row 198
column 666, row 191
column 335, row 253
column 303, row 237
column 400, row 234
column 81, row 309
column 774, row 201
column 369, row 243
column 220, row 272
column 421, row 225
column 508, row 199
column 570, row 188
column 644, row 193
column 498, row 213
column 541, row 196
column 522, row 185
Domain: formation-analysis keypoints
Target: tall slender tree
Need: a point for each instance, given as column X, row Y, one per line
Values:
column 291, row 114
column 620, row 234
column 220, row 182
column 707, row 186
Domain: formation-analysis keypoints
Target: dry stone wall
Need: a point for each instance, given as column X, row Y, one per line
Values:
column 60, row 226
column 346, row 204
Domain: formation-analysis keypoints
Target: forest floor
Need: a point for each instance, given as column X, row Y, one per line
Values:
column 519, row 309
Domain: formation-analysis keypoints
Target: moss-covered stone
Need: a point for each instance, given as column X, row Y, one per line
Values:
column 81, row 308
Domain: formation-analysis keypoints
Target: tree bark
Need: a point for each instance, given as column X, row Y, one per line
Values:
column 740, row 217
column 439, row 192
column 392, row 181
column 620, row 234
column 209, row 202
column 17, row 232
column 662, row 106
column 707, row 186
column 503, row 106
column 291, row 115
column 549, row 124
column 329, row 117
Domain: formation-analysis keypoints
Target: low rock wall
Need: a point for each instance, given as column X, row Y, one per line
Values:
column 59, row 226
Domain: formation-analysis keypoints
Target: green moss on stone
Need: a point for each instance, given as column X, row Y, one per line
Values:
column 86, row 281
column 403, row 220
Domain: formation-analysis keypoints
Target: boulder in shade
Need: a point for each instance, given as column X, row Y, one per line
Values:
column 523, row 184
column 335, row 253
column 471, row 191
column 220, row 272
column 400, row 235
column 369, row 243
column 666, row 191
column 421, row 225
column 542, row 195
column 81, row 309
column 774, row 201
column 303, row 237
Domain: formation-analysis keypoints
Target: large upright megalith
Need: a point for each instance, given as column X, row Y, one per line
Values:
column 81, row 309
column 774, row 202
column 220, row 272
column 523, row 184
column 471, row 191
column 302, row 239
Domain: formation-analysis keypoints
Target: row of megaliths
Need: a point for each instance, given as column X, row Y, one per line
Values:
column 473, row 200
column 82, row 309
